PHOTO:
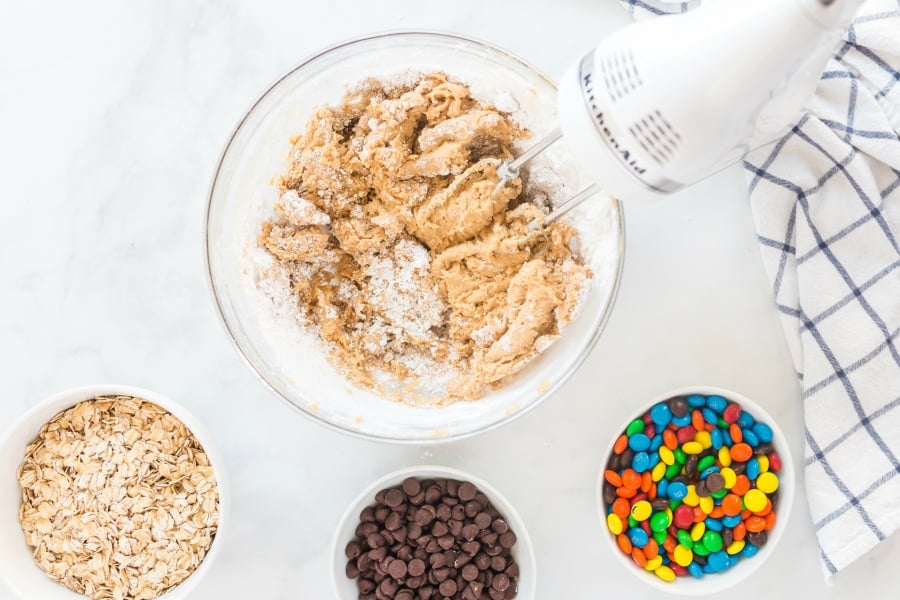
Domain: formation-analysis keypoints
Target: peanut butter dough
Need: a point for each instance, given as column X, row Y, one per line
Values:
column 403, row 253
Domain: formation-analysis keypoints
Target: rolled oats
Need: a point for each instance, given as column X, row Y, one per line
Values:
column 119, row 500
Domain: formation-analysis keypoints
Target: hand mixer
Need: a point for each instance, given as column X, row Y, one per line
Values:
column 663, row 103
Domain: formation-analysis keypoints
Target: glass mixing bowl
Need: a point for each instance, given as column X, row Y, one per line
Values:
column 295, row 366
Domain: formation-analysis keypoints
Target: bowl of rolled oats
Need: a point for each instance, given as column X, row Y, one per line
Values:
column 374, row 267
column 108, row 492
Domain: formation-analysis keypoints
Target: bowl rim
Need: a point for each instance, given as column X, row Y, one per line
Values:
column 74, row 396
column 723, row 582
column 367, row 497
column 217, row 300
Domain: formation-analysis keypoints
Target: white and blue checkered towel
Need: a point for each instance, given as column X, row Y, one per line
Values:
column 826, row 202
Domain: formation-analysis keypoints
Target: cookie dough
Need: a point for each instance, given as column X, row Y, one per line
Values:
column 422, row 275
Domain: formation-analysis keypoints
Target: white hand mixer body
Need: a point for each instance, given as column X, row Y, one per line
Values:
column 665, row 102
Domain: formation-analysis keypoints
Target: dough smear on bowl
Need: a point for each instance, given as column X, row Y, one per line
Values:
column 419, row 273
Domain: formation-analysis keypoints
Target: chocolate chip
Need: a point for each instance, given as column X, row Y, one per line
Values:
column 467, row 491
column 499, row 526
column 411, row 486
column 483, row 520
column 456, row 527
column 452, row 556
column 470, row 531
column 512, row 571
column 388, row 587
column 500, row 582
column 471, row 548
column 392, row 523
column 448, row 588
column 470, row 572
column 432, row 494
column 352, row 571
column 443, row 513
column 425, row 515
column 416, row 567
column 476, row 587
column 397, row 569
column 400, row 534
column 394, row 497
column 508, row 540
column 352, row 550
column 382, row 566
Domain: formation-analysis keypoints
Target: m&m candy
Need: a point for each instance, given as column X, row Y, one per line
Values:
column 692, row 486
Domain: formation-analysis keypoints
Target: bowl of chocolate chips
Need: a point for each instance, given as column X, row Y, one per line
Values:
column 432, row 532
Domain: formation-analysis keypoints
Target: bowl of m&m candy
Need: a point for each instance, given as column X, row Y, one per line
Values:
column 696, row 490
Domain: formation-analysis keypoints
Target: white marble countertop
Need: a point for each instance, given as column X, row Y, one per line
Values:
column 112, row 116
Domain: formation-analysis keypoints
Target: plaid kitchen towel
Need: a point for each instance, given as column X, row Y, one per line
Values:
column 826, row 204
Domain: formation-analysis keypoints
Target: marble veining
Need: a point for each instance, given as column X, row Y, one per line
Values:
column 112, row 118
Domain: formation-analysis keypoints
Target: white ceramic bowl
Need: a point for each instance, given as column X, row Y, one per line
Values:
column 523, row 551
column 714, row 582
column 17, row 567
column 290, row 361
